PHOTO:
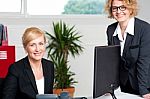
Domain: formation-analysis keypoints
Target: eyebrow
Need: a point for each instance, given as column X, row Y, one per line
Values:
column 118, row 6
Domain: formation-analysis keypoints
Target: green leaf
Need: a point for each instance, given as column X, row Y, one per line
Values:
column 63, row 41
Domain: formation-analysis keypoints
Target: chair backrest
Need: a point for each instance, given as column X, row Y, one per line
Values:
column 1, row 86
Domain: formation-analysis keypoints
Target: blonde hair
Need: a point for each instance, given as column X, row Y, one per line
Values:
column 130, row 4
column 31, row 34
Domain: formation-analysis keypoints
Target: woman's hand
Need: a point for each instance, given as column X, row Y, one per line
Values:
column 146, row 96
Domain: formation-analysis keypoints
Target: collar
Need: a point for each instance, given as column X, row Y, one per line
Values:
column 129, row 29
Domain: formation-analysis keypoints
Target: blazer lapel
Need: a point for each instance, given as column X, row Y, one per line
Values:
column 30, row 74
column 128, row 43
column 129, row 39
column 116, row 40
column 46, row 78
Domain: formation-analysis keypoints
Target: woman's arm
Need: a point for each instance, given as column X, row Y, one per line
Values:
column 10, row 84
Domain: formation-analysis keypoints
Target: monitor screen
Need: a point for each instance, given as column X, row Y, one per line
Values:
column 106, row 69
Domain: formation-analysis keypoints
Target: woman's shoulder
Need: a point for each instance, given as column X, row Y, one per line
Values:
column 141, row 22
column 143, row 25
column 17, row 67
column 113, row 25
column 20, row 61
column 46, row 61
column 47, row 64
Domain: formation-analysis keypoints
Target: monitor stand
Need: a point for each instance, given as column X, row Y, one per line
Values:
column 113, row 94
column 112, row 91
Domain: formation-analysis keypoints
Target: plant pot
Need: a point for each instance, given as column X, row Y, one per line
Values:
column 70, row 90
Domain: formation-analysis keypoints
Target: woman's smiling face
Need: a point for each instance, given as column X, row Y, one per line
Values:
column 36, row 49
column 119, row 11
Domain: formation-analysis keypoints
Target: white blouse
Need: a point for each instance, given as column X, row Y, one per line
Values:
column 40, row 85
column 129, row 30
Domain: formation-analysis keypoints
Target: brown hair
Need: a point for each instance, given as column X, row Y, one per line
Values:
column 31, row 34
column 130, row 4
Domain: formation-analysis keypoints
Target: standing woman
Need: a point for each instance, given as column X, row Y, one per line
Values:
column 133, row 35
column 33, row 74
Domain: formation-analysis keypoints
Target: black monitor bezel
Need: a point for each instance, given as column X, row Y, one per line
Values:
column 101, row 84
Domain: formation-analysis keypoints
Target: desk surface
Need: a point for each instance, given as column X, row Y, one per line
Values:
column 119, row 95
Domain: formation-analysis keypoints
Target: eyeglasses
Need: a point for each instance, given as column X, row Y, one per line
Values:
column 115, row 8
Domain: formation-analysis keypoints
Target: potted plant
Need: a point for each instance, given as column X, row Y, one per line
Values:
column 62, row 42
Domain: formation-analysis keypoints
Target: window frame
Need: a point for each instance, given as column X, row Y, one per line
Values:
column 24, row 13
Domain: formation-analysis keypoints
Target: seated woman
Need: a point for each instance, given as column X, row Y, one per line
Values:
column 33, row 74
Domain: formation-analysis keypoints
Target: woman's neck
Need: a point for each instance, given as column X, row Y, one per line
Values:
column 37, row 69
column 35, row 64
column 123, row 24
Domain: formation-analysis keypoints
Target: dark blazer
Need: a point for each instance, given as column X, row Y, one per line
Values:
column 20, row 81
column 135, row 62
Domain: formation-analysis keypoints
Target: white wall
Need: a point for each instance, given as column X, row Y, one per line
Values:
column 91, row 27
column 144, row 9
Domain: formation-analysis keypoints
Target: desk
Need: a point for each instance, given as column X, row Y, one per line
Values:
column 119, row 95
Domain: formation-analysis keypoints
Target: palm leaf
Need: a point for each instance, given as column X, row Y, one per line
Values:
column 63, row 41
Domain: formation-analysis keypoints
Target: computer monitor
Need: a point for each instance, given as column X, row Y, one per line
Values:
column 106, row 70
column 46, row 96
